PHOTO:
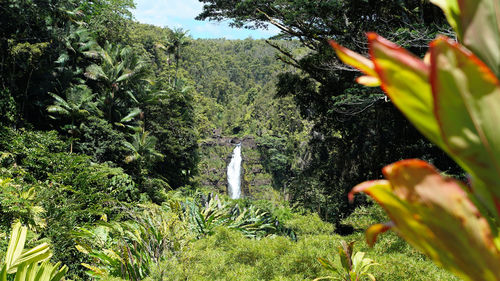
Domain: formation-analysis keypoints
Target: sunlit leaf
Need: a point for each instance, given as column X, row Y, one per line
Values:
column 354, row 59
column 477, row 26
column 405, row 79
column 467, row 103
column 435, row 215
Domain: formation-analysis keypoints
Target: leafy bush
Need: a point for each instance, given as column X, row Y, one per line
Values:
column 229, row 255
column 354, row 266
column 364, row 216
column 129, row 249
column 71, row 189
column 100, row 141
column 8, row 108
column 211, row 212
column 309, row 224
column 156, row 189
column 19, row 202
column 35, row 151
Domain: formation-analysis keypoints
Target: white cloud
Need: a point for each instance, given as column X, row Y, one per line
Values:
column 180, row 9
column 181, row 13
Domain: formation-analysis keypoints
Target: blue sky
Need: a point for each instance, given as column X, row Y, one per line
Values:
column 181, row 13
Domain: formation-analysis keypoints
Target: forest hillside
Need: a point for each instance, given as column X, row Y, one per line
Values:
column 116, row 136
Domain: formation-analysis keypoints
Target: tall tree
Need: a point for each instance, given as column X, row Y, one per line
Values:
column 118, row 74
column 142, row 151
column 177, row 40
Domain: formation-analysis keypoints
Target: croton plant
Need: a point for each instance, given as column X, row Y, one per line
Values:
column 452, row 96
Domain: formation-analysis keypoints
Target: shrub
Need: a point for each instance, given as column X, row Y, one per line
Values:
column 309, row 224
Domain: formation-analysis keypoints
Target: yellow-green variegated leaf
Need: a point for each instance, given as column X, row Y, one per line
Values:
column 467, row 106
column 373, row 231
column 405, row 79
column 435, row 215
column 476, row 23
column 359, row 62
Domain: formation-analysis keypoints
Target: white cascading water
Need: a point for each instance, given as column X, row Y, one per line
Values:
column 234, row 173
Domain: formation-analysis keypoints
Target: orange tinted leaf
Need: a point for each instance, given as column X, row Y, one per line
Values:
column 373, row 231
column 435, row 215
column 354, row 59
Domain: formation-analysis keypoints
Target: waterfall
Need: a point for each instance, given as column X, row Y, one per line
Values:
column 234, row 173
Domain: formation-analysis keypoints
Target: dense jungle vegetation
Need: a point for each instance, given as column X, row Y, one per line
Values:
column 113, row 139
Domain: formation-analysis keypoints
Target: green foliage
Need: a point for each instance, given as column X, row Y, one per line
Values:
column 172, row 123
column 354, row 266
column 310, row 224
column 142, row 150
column 20, row 203
column 211, row 213
column 364, row 216
column 37, row 152
column 129, row 249
column 228, row 255
column 109, row 76
column 70, row 188
column 156, row 189
column 118, row 75
column 109, row 20
column 101, row 142
column 8, row 108
column 75, row 107
column 29, row 265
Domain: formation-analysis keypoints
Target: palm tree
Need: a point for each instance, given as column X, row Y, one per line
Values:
column 176, row 41
column 120, row 73
column 76, row 106
column 142, row 149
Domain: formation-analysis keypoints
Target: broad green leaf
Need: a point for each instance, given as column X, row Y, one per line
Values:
column 95, row 72
column 3, row 273
column 16, row 246
column 34, row 255
column 58, row 273
column 94, row 269
column 356, row 261
column 43, row 273
column 435, row 215
column 467, row 106
column 21, row 272
column 131, row 115
column 476, row 23
column 405, row 79
column 25, row 263
column 327, row 277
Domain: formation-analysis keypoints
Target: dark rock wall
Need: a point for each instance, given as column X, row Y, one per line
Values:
column 216, row 154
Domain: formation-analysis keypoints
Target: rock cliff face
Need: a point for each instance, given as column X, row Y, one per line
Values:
column 215, row 156
column 247, row 141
